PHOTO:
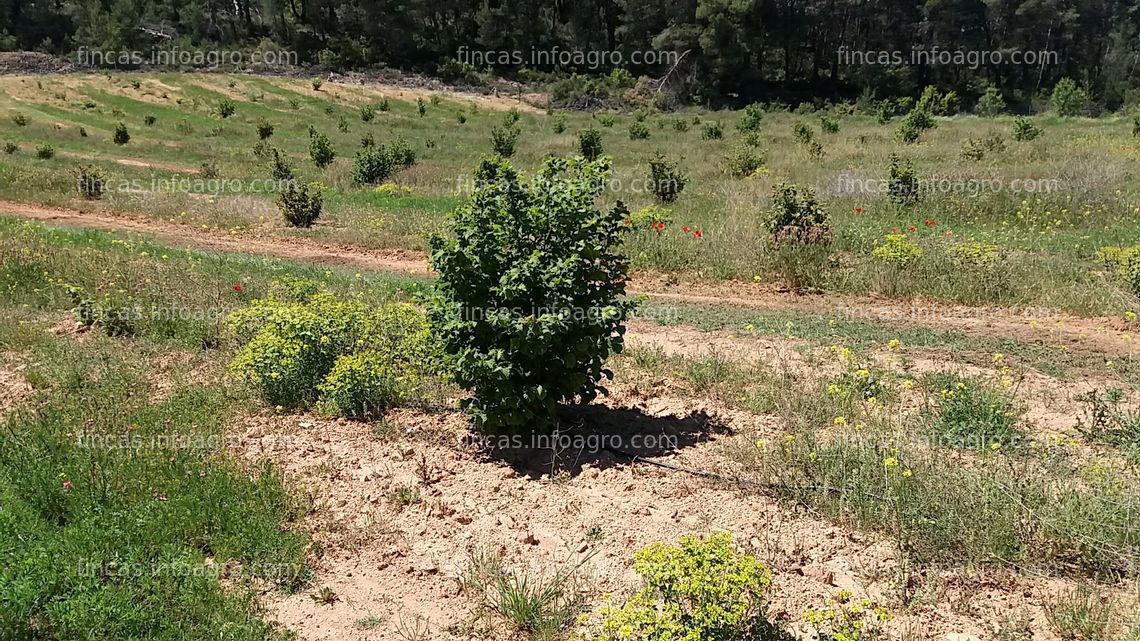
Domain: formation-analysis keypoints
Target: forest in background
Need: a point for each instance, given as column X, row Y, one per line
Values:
column 735, row 51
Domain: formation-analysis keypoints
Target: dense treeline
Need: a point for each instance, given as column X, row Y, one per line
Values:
column 739, row 50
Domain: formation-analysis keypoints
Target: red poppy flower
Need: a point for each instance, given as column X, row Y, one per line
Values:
column 685, row 229
column 628, row 221
column 237, row 287
column 911, row 228
column 894, row 230
column 697, row 233
column 858, row 210
column 660, row 225
column 931, row 223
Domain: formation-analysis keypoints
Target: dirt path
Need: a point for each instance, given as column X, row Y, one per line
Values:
column 1087, row 334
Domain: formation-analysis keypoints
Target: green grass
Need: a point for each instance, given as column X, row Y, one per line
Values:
column 1046, row 240
column 120, row 508
column 868, row 464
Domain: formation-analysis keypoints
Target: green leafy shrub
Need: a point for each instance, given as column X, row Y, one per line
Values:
column 680, row 125
column 45, row 151
column 712, row 130
column 367, row 140
column 1024, row 129
column 902, row 181
column 279, row 168
column 970, row 414
column 916, row 122
column 383, row 105
column 802, row 133
column 697, row 590
column 606, row 121
column 531, row 291
column 751, row 119
column 935, row 103
column 461, row 118
column 300, row 205
column 320, row 150
column 11, row 148
column 558, row 123
column 149, row 120
column 121, row 136
column 264, row 129
column 367, row 113
column 208, row 169
column 815, row 149
column 19, row 119
column 991, row 103
column 1069, row 99
column 796, row 217
column 342, row 124
column 316, row 83
column 373, row 164
column 421, row 107
column 828, row 125
column 897, row 249
column 665, row 178
column 638, row 130
column 226, row 108
column 504, row 138
column 885, row 111
column 89, row 182
column 743, row 160
column 402, row 153
column 590, row 143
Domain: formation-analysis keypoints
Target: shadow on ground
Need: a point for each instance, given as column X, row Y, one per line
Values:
column 601, row 437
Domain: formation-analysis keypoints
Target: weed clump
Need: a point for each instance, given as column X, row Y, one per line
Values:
column 344, row 357
column 697, row 589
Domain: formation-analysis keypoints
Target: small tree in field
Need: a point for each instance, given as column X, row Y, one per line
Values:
column 531, row 288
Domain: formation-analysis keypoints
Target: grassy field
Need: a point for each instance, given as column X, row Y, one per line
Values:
column 954, row 479
column 1040, row 210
